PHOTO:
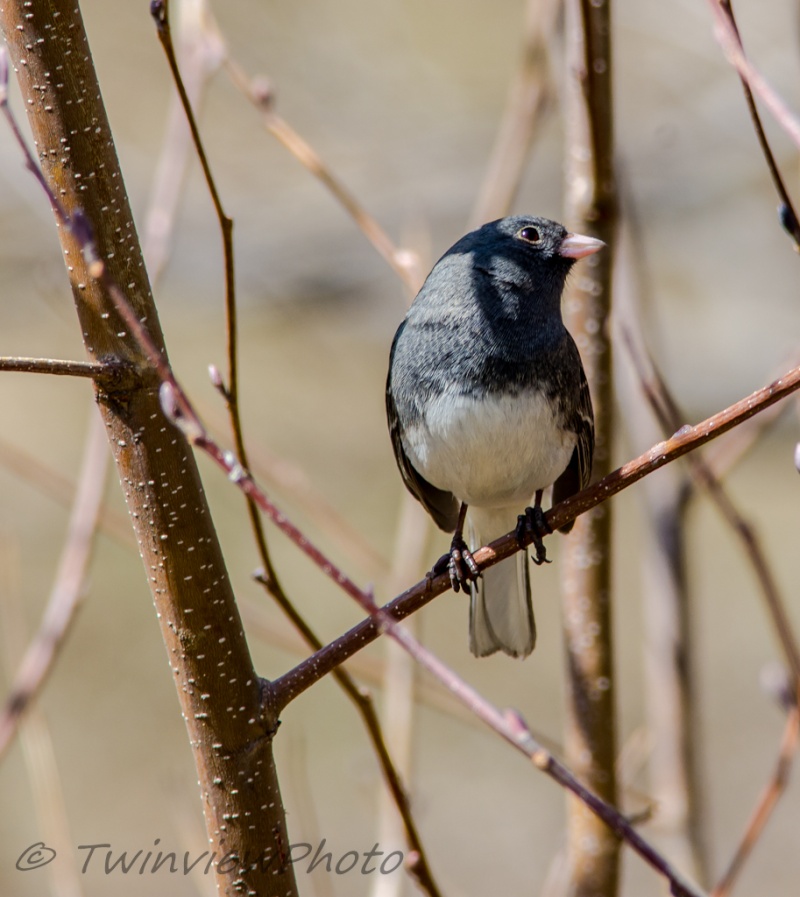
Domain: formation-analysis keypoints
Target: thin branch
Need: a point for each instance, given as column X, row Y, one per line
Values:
column 728, row 39
column 200, row 57
column 766, row 803
column 419, row 866
column 259, row 93
column 112, row 374
column 673, row 721
column 67, row 589
column 89, row 369
column 513, row 729
column 688, row 438
column 787, row 213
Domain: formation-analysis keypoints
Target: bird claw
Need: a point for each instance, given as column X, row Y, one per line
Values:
column 459, row 564
column 533, row 523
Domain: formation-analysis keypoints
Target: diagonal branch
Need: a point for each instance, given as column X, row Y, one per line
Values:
column 787, row 213
column 728, row 39
column 688, row 438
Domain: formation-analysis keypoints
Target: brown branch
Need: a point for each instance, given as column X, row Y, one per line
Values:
column 688, row 438
column 260, row 94
column 200, row 56
column 68, row 588
column 765, row 805
column 197, row 612
column 787, row 214
column 108, row 374
column 728, row 39
column 591, row 207
column 511, row 727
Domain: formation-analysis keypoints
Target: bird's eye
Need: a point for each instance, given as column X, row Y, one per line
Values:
column 530, row 234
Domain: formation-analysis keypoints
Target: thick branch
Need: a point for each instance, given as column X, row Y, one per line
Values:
column 220, row 694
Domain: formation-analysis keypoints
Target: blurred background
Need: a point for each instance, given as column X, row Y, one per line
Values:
column 403, row 101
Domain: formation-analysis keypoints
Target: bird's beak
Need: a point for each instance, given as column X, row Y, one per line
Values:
column 576, row 246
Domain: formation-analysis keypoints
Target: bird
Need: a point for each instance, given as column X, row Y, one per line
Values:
column 488, row 405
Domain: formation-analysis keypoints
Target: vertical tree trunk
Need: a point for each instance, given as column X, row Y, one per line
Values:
column 591, row 208
column 230, row 725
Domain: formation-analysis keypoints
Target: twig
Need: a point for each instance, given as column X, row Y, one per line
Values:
column 260, row 94
column 765, row 805
column 787, row 214
column 110, row 374
column 511, row 727
column 67, row 589
column 200, row 56
column 728, row 39
column 419, row 867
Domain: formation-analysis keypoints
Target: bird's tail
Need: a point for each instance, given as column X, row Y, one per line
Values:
column 501, row 612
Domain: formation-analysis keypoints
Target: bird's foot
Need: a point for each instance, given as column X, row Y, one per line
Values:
column 533, row 522
column 459, row 564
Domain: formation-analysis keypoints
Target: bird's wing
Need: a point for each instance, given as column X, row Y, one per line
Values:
column 579, row 469
column 440, row 504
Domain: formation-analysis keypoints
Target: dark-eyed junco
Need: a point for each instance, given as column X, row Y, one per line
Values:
column 488, row 405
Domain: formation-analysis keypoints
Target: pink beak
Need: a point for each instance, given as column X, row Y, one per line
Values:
column 576, row 246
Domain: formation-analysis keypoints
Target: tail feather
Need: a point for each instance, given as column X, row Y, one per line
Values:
column 501, row 611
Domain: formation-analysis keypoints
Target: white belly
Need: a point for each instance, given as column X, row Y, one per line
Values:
column 489, row 452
